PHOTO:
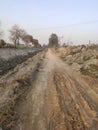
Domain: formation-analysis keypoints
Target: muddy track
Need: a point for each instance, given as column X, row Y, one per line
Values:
column 79, row 108
column 51, row 96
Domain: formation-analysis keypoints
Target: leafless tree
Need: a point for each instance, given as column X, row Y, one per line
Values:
column 16, row 33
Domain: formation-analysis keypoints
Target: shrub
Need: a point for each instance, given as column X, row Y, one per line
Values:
column 97, row 57
column 91, row 70
column 2, row 43
column 85, row 58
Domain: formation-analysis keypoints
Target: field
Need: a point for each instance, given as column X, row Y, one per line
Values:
column 49, row 89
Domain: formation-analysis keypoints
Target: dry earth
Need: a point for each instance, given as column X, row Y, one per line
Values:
column 45, row 93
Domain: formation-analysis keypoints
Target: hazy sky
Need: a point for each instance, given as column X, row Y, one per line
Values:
column 75, row 20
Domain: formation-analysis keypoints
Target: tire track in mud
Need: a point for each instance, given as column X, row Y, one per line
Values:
column 78, row 113
column 57, row 98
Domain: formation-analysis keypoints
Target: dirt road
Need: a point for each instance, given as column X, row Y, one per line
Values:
column 55, row 98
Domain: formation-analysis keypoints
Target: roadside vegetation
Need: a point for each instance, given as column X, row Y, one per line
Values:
column 82, row 58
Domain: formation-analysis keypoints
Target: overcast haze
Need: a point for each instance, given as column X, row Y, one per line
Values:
column 74, row 20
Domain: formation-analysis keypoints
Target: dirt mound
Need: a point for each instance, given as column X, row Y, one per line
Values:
column 11, row 58
column 45, row 93
column 84, row 59
column 13, row 87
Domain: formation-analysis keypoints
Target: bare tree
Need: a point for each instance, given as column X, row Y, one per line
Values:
column 16, row 33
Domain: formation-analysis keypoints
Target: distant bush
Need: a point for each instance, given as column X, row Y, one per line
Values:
column 2, row 43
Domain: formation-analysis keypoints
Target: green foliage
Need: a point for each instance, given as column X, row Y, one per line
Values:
column 91, row 70
column 83, row 71
column 80, row 62
column 53, row 40
column 70, row 63
column 96, row 57
column 63, row 58
column 86, row 58
column 2, row 43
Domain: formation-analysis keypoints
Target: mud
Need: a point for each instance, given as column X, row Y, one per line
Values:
column 10, row 58
column 47, row 94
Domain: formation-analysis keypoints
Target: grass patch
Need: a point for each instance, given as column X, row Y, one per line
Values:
column 86, row 58
column 70, row 63
column 96, row 57
column 63, row 58
column 91, row 70
column 80, row 62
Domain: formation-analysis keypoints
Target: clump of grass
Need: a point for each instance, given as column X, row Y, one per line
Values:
column 70, row 63
column 96, row 57
column 63, row 58
column 75, row 52
column 86, row 58
column 91, row 70
column 80, row 62
column 83, row 71
column 93, row 67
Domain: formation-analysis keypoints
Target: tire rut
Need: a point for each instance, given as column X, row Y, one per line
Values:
column 78, row 114
column 56, row 98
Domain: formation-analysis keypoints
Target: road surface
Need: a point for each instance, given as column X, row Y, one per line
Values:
column 56, row 98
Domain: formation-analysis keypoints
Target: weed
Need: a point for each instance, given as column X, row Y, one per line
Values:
column 80, row 62
column 70, row 63
column 63, row 58
column 96, row 57
column 86, row 58
column 91, row 70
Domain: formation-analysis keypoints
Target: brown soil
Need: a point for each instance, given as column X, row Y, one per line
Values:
column 50, row 95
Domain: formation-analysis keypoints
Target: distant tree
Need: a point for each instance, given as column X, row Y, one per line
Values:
column 53, row 40
column 28, row 39
column 36, row 43
column 2, row 43
column 16, row 33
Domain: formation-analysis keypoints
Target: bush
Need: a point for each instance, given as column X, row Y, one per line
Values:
column 86, row 58
column 91, row 70
column 2, row 43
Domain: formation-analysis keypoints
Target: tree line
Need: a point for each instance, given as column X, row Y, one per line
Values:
column 17, row 34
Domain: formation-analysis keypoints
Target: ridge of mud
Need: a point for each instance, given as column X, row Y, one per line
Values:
column 16, row 91
column 6, row 65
